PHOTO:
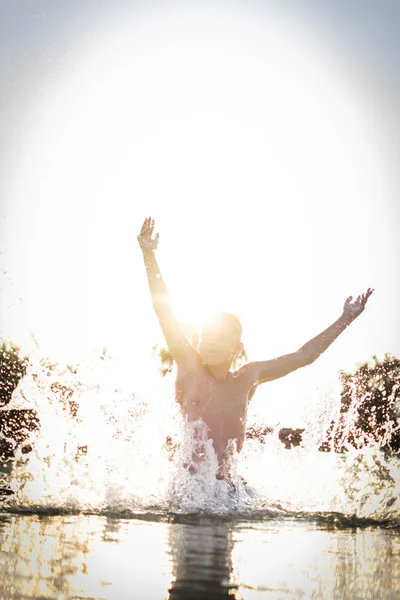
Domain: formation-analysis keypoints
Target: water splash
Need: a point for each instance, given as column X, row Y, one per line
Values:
column 102, row 448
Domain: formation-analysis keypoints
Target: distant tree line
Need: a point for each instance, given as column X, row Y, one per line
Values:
column 369, row 408
column 17, row 424
column 12, row 368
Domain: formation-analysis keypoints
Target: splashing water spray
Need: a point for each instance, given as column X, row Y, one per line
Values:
column 102, row 449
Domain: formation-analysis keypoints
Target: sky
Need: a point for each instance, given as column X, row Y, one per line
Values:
column 263, row 137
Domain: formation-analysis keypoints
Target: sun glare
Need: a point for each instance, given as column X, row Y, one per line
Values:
column 224, row 126
column 194, row 313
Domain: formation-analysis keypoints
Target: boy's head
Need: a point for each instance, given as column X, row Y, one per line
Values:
column 220, row 339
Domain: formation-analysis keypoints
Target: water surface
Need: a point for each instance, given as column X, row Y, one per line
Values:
column 153, row 556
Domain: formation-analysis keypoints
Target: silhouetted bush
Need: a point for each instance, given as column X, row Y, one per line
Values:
column 12, row 369
column 369, row 410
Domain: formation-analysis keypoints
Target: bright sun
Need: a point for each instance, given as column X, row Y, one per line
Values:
column 196, row 311
column 213, row 122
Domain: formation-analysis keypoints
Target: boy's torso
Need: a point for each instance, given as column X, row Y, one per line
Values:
column 221, row 405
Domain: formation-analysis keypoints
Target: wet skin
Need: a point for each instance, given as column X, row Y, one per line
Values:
column 206, row 389
column 220, row 401
column 222, row 405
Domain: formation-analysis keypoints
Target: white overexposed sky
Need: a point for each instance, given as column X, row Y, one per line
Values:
column 264, row 141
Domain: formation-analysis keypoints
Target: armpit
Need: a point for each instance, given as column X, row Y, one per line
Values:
column 251, row 393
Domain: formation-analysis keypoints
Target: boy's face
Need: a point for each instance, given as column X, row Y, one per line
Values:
column 219, row 343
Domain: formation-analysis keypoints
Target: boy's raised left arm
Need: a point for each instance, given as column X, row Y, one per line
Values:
column 262, row 371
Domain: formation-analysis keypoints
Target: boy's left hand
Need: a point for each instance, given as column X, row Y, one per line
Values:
column 146, row 238
column 354, row 309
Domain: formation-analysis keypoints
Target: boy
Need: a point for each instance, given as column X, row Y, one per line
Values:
column 205, row 387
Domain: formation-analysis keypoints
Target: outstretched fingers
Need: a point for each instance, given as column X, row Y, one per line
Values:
column 145, row 226
column 355, row 308
column 366, row 295
column 148, row 225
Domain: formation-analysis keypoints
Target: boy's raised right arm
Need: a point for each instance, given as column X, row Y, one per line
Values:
column 178, row 345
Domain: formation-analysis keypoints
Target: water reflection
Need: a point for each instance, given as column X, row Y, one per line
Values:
column 201, row 556
column 98, row 557
column 41, row 555
column 305, row 560
column 60, row 557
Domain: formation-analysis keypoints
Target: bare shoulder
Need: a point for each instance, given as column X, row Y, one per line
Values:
column 246, row 375
column 246, row 380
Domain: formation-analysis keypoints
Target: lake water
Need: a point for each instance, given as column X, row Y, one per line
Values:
column 196, row 556
column 104, row 508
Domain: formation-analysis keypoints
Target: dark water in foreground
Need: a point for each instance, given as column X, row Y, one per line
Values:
column 152, row 556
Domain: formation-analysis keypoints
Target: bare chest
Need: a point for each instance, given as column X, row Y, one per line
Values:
column 200, row 395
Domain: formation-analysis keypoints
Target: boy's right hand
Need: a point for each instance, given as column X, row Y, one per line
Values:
column 146, row 239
